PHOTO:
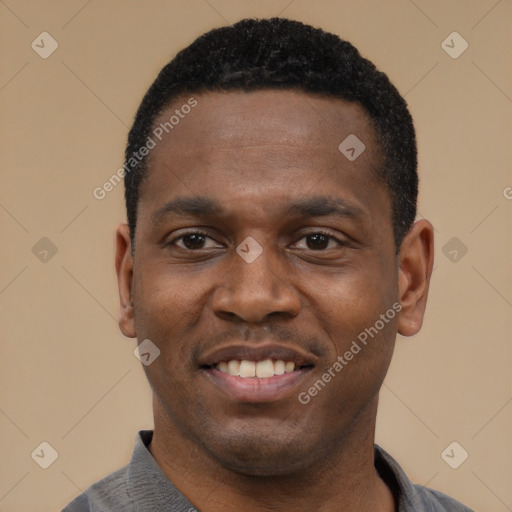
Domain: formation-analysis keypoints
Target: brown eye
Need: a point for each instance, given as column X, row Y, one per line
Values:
column 194, row 240
column 317, row 241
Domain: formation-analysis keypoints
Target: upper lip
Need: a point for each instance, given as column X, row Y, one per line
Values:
column 259, row 352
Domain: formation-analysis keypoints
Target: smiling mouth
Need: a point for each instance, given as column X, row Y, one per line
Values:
column 265, row 369
column 265, row 372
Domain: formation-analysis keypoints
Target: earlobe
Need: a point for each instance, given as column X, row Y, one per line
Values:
column 416, row 260
column 124, row 271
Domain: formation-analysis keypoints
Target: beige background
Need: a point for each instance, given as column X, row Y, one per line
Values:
column 70, row 378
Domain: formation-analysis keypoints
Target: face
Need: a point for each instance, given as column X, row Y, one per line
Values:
column 258, row 241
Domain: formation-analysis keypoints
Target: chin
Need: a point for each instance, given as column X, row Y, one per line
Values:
column 255, row 455
column 261, row 465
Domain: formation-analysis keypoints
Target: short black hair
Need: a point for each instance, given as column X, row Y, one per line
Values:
column 278, row 53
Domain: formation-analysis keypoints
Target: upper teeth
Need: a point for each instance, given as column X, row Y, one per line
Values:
column 260, row 369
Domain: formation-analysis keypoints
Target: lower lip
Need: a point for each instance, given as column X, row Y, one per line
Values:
column 256, row 390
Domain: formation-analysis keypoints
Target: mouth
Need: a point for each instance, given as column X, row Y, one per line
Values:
column 256, row 369
column 263, row 373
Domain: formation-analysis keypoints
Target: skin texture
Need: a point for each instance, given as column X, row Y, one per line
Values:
column 258, row 154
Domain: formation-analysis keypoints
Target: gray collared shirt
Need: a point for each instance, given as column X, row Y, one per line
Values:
column 141, row 486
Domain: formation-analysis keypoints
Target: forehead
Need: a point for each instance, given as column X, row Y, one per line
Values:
column 266, row 117
column 259, row 146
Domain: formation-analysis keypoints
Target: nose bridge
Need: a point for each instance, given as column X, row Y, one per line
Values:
column 255, row 286
column 255, row 269
column 256, row 266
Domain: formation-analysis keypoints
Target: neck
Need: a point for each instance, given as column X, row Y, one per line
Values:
column 347, row 478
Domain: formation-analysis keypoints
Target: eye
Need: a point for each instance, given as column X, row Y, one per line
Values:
column 193, row 241
column 320, row 241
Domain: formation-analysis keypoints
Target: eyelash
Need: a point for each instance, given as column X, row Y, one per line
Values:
column 195, row 232
column 341, row 243
column 203, row 233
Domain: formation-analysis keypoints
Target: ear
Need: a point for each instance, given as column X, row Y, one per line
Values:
column 124, row 271
column 416, row 260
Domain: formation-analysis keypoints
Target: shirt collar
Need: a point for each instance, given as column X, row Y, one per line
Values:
column 149, row 487
column 407, row 495
column 147, row 484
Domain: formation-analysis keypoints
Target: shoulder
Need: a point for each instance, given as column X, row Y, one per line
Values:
column 108, row 494
column 437, row 501
column 412, row 497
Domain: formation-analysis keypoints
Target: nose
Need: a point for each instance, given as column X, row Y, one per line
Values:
column 253, row 292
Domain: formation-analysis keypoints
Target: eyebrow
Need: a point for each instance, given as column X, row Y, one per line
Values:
column 201, row 206
column 196, row 206
column 323, row 206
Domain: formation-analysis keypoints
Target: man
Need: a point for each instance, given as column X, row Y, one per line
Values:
column 269, row 260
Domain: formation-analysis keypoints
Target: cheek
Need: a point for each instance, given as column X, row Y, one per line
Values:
column 355, row 311
column 347, row 303
column 166, row 312
column 167, row 298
